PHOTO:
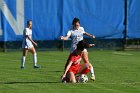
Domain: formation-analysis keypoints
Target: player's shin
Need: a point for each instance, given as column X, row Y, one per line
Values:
column 92, row 73
column 35, row 59
column 23, row 61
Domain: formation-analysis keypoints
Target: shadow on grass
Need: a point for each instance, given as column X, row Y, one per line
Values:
column 27, row 82
column 55, row 71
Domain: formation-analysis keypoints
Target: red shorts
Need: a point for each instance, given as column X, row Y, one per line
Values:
column 74, row 69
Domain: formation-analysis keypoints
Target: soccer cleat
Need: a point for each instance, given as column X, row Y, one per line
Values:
column 64, row 81
column 22, row 67
column 36, row 66
column 92, row 78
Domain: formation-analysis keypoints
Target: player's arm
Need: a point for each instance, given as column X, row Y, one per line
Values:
column 66, row 69
column 85, row 57
column 90, row 45
column 89, row 35
column 31, row 40
column 26, row 32
column 64, row 37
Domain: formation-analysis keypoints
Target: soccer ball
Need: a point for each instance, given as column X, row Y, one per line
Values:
column 83, row 78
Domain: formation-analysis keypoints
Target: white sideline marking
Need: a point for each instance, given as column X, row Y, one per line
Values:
column 121, row 53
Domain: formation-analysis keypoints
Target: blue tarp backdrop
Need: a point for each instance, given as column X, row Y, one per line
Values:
column 52, row 18
column 133, row 19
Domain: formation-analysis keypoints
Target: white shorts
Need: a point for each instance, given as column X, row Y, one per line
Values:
column 26, row 44
column 85, row 50
column 72, row 49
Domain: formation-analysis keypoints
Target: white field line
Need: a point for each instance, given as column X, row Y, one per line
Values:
column 122, row 53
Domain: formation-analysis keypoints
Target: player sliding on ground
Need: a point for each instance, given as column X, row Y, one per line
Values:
column 28, row 45
column 73, row 66
column 76, row 34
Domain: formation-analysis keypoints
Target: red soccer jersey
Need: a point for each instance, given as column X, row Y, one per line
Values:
column 73, row 57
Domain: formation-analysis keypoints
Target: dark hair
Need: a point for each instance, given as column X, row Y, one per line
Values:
column 75, row 20
column 82, row 45
column 29, row 22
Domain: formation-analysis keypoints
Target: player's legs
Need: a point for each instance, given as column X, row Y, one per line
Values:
column 84, row 69
column 71, row 77
column 33, row 51
column 25, row 51
column 86, row 60
column 92, row 72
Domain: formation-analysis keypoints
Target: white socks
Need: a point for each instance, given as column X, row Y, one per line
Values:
column 24, row 58
column 35, row 59
column 23, row 61
column 92, row 71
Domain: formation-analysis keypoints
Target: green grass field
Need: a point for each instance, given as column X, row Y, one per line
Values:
column 116, row 72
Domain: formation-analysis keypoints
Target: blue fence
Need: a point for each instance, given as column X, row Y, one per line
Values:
column 52, row 18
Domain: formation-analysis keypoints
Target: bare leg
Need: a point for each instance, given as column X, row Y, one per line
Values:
column 86, row 60
column 84, row 68
column 71, row 77
column 33, row 51
column 25, row 51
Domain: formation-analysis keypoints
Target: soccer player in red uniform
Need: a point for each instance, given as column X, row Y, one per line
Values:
column 73, row 66
column 76, row 33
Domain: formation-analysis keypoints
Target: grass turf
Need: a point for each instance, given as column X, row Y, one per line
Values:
column 116, row 72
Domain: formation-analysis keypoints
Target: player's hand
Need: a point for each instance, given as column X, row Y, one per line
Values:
column 63, row 79
column 90, row 45
column 63, row 76
column 35, row 44
column 93, row 36
column 62, row 37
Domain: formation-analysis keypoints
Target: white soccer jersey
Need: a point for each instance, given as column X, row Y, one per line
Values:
column 26, row 42
column 76, row 35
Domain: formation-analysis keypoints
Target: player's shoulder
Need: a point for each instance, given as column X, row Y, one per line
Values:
column 70, row 31
column 72, row 57
column 73, row 54
column 81, row 28
column 26, row 29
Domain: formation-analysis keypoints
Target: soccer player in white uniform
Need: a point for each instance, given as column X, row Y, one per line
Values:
column 76, row 34
column 28, row 45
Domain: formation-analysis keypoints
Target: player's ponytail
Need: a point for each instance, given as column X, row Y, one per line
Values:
column 82, row 45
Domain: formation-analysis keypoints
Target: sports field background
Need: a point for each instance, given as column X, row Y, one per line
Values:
column 116, row 72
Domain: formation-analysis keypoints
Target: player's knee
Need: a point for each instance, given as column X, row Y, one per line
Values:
column 35, row 54
column 72, row 77
column 73, row 81
column 85, row 71
column 24, row 55
column 90, row 65
column 87, row 65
